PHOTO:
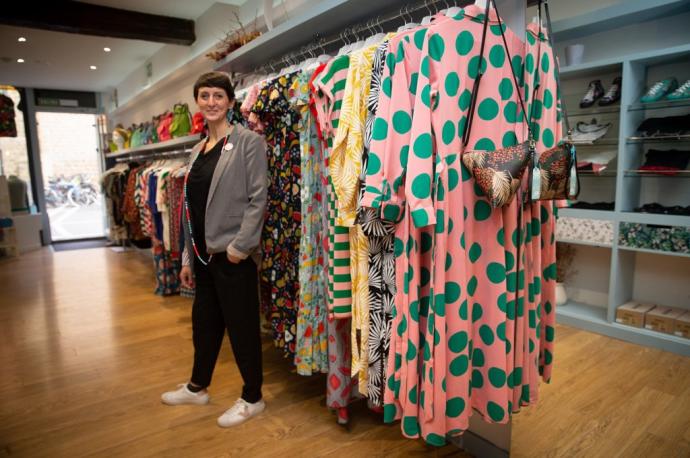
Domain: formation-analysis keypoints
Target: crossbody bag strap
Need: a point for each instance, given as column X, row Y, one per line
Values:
column 557, row 70
column 477, row 80
column 515, row 80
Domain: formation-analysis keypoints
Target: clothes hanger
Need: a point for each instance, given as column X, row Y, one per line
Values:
column 426, row 20
column 409, row 24
column 453, row 11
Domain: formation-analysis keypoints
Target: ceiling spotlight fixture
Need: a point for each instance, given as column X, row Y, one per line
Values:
column 93, row 67
column 20, row 61
column 21, row 39
column 106, row 49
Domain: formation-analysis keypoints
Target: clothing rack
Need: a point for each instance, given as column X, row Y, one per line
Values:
column 154, row 155
column 350, row 34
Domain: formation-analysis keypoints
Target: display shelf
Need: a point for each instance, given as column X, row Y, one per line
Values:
column 659, row 105
column 597, row 110
column 593, row 318
column 646, row 250
column 584, row 173
column 601, row 142
column 632, row 140
column 587, row 213
column 584, row 243
column 166, row 145
column 654, row 173
column 655, row 218
column 321, row 19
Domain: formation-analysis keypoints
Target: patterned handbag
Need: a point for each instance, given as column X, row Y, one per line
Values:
column 553, row 173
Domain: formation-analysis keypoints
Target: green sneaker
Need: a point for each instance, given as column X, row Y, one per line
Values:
column 683, row 92
column 659, row 90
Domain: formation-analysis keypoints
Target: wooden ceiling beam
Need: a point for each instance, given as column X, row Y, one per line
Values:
column 87, row 19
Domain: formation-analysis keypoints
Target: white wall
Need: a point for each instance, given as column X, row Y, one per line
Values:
column 176, row 68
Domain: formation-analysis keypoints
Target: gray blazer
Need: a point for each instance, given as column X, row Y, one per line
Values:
column 236, row 200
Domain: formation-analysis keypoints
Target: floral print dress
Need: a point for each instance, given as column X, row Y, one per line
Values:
column 311, row 352
column 280, row 240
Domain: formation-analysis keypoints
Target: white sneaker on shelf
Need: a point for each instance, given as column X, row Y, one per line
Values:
column 182, row 395
column 240, row 412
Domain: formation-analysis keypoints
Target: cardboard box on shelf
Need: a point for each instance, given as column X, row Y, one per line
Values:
column 682, row 325
column 633, row 314
column 662, row 319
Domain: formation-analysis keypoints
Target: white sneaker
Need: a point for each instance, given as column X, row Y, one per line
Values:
column 183, row 396
column 240, row 412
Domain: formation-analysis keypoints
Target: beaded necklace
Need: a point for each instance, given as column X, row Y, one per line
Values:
column 186, row 205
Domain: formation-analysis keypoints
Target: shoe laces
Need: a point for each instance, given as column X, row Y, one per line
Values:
column 240, row 407
column 590, row 92
column 612, row 91
column 657, row 87
column 685, row 86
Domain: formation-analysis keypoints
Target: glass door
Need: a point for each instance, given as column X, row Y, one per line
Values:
column 71, row 167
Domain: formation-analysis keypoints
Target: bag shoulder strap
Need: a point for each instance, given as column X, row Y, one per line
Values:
column 477, row 80
column 557, row 71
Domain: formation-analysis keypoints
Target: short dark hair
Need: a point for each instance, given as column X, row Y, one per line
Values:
column 215, row 79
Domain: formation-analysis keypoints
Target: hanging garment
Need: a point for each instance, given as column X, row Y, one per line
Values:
column 458, row 257
column 327, row 91
column 311, row 347
column 381, row 262
column 282, row 226
column 8, row 126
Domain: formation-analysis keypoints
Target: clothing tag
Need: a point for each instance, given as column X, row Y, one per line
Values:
column 228, row 147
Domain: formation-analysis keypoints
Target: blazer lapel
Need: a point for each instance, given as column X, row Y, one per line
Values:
column 222, row 163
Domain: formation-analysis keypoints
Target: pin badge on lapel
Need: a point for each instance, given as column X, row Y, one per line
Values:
column 228, row 147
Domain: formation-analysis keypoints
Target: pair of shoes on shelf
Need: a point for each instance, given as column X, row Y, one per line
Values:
column 596, row 92
column 667, row 89
column 240, row 412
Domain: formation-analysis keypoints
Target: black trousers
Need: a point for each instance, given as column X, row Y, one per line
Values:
column 227, row 298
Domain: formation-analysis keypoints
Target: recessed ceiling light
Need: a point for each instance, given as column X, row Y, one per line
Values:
column 21, row 39
column 106, row 49
column 20, row 61
column 93, row 67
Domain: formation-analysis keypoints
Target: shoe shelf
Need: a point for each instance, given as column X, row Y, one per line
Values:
column 655, row 174
column 584, row 243
column 659, row 139
column 647, row 250
column 589, row 174
column 600, row 142
column 593, row 111
column 586, row 213
column 659, row 105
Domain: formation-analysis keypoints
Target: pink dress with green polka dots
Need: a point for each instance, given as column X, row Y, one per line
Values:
column 469, row 331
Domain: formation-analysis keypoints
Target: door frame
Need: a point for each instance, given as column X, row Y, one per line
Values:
column 34, row 150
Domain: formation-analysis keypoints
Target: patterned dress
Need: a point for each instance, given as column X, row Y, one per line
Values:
column 381, row 260
column 311, row 352
column 327, row 91
column 469, row 306
column 280, row 240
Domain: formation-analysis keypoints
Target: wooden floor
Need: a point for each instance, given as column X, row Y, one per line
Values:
column 86, row 348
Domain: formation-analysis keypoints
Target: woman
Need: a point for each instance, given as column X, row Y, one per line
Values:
column 224, row 203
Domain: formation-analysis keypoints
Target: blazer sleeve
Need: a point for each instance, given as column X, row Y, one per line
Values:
column 249, row 235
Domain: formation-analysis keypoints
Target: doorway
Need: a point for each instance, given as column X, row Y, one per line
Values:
column 71, row 168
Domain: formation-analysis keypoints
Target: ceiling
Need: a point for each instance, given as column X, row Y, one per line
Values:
column 58, row 60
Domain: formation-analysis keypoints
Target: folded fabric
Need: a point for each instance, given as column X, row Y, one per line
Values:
column 590, row 167
column 593, row 206
column 669, row 125
column 667, row 162
column 664, row 238
column 663, row 210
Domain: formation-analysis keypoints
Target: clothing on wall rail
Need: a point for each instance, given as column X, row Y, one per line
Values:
column 468, row 327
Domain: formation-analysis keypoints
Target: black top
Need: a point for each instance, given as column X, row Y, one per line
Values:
column 198, row 186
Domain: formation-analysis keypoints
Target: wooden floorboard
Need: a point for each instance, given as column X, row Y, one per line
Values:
column 86, row 348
